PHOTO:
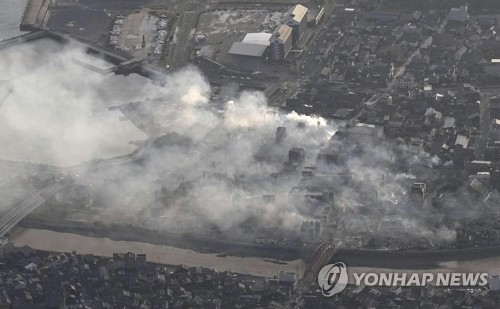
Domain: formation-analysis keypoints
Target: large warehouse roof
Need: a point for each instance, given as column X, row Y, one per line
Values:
column 248, row 49
column 257, row 38
column 253, row 44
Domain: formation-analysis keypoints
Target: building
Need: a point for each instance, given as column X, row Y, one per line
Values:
column 252, row 45
column 296, row 18
column 287, row 279
column 296, row 155
column 281, row 42
column 406, row 81
column 383, row 16
column 477, row 166
column 492, row 70
column 486, row 20
column 459, row 15
column 319, row 17
column 419, row 188
column 6, row 247
column 280, row 135
column 428, row 91
column 361, row 130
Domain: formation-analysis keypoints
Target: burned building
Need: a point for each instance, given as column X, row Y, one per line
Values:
column 296, row 156
column 280, row 135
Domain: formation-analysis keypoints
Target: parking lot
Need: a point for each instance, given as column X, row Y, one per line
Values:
column 84, row 23
column 141, row 33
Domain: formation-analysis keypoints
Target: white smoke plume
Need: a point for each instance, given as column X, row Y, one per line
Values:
column 204, row 168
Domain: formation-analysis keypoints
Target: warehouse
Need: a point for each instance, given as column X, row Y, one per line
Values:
column 252, row 45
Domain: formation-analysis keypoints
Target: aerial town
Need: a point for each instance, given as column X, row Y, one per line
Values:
column 284, row 130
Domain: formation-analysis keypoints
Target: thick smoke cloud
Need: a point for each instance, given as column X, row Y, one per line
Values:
column 206, row 167
column 54, row 111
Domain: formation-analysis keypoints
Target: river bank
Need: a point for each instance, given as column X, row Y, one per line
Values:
column 195, row 242
column 364, row 258
column 425, row 259
column 66, row 242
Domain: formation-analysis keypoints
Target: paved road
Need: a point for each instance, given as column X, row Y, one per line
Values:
column 484, row 108
column 187, row 22
column 401, row 69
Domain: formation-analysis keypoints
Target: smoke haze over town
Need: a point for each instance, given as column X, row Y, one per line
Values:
column 206, row 163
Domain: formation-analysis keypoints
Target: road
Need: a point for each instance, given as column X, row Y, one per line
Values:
column 484, row 108
column 401, row 69
column 8, row 221
column 187, row 22
column 307, row 65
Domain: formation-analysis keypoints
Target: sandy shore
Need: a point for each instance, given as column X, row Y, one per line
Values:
column 65, row 242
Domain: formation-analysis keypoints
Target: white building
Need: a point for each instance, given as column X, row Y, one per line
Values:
column 253, row 45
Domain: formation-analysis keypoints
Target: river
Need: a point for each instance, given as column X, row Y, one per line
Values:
column 10, row 17
column 65, row 242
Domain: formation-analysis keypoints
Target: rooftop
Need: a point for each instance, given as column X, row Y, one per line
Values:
column 261, row 38
column 253, row 44
column 282, row 33
column 296, row 14
column 248, row 49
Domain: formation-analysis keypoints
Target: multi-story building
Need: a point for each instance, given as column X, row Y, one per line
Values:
column 281, row 42
column 296, row 18
column 460, row 14
column 406, row 81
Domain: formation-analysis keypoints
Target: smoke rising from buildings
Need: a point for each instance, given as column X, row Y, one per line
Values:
column 55, row 112
column 204, row 167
